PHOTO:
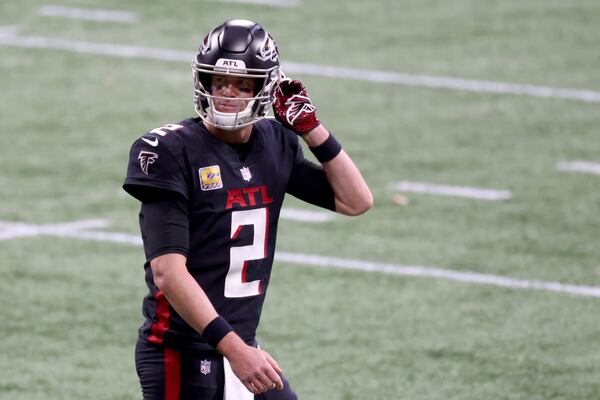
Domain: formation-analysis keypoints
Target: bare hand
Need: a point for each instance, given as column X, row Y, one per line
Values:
column 257, row 370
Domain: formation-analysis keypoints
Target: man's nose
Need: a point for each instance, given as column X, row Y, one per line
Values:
column 229, row 90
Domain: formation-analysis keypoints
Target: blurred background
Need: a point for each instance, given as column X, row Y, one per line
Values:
column 475, row 123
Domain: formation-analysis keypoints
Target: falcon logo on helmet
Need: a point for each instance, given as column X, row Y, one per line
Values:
column 146, row 158
column 268, row 51
column 205, row 45
column 298, row 105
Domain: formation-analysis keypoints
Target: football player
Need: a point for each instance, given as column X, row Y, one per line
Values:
column 211, row 190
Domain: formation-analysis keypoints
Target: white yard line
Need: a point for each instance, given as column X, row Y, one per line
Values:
column 273, row 3
column 8, row 30
column 455, row 191
column 579, row 166
column 108, row 49
column 10, row 38
column 89, row 14
column 295, row 214
column 434, row 272
column 443, row 82
column 115, row 237
column 82, row 230
column 13, row 230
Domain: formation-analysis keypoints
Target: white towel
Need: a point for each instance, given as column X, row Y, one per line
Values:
column 234, row 388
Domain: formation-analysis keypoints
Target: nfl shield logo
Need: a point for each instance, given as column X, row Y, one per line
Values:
column 246, row 173
column 205, row 367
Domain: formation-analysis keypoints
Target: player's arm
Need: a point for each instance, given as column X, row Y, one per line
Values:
column 181, row 289
column 254, row 367
column 352, row 194
column 295, row 111
column 164, row 226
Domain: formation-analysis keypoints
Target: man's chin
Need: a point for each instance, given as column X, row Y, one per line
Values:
column 215, row 125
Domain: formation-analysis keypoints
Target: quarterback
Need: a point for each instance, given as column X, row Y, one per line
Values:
column 211, row 190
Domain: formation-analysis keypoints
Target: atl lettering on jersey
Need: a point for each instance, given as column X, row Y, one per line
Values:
column 248, row 197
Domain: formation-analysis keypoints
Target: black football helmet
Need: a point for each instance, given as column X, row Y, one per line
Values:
column 236, row 48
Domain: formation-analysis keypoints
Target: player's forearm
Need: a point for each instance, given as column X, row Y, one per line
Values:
column 182, row 291
column 352, row 194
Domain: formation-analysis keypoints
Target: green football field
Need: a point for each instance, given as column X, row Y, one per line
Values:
column 476, row 275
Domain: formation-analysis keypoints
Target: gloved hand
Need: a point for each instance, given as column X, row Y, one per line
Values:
column 293, row 107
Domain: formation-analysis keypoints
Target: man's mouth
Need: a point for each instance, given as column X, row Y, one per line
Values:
column 230, row 106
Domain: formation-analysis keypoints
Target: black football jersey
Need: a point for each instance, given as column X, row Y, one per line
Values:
column 234, row 205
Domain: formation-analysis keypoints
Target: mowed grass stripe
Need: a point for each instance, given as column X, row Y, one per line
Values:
column 10, row 38
column 79, row 230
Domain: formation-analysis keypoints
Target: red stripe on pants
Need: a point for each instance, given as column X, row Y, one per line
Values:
column 172, row 376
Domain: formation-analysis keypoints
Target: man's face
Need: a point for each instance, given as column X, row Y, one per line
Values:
column 234, row 88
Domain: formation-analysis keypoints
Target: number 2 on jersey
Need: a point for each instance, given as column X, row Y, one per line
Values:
column 164, row 130
column 235, row 282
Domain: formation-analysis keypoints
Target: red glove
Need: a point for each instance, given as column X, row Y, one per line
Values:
column 293, row 108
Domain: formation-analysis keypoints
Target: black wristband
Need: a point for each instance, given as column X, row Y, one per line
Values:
column 216, row 330
column 327, row 150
